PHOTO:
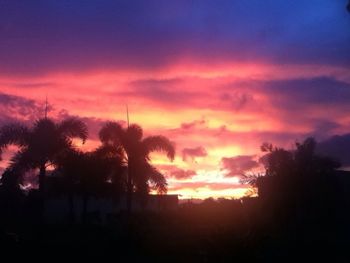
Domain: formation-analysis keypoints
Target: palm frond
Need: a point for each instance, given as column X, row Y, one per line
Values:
column 250, row 178
column 73, row 128
column 16, row 134
column 44, row 125
column 134, row 132
column 22, row 161
column 159, row 143
column 107, row 151
column 111, row 132
column 158, row 180
column 10, row 179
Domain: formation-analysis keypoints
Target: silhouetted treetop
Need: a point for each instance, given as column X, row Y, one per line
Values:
column 303, row 160
column 136, row 155
column 42, row 144
column 131, row 138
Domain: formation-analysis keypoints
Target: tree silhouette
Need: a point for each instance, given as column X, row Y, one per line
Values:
column 11, row 199
column 298, row 181
column 136, row 155
column 303, row 161
column 41, row 145
column 9, row 180
column 87, row 173
column 293, row 172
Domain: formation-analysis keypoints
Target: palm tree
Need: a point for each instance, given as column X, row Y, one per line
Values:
column 41, row 145
column 136, row 156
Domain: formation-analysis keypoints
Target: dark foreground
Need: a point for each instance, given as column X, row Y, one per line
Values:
column 210, row 232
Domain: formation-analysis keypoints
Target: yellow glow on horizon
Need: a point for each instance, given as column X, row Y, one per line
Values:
column 204, row 192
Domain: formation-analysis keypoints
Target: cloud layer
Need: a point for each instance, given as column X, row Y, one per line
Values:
column 218, row 78
column 73, row 36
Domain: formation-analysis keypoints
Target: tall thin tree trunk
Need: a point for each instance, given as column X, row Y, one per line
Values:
column 42, row 177
column 129, row 193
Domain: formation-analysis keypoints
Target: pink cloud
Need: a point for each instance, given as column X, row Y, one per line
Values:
column 192, row 153
column 176, row 172
column 238, row 165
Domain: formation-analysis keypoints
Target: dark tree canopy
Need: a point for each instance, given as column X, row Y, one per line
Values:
column 42, row 144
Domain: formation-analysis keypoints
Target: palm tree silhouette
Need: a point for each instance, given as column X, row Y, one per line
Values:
column 136, row 155
column 41, row 145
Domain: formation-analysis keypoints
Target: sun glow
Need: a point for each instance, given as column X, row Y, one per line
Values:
column 205, row 192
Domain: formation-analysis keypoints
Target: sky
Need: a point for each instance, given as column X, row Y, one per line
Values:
column 218, row 78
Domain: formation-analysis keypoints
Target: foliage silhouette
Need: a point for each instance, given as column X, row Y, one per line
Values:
column 40, row 145
column 298, row 183
column 303, row 161
column 136, row 155
column 87, row 174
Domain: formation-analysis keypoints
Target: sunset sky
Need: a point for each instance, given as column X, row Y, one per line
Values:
column 218, row 78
